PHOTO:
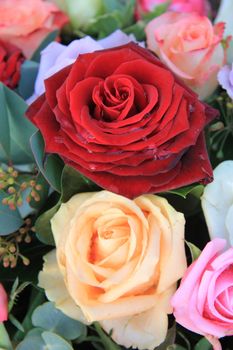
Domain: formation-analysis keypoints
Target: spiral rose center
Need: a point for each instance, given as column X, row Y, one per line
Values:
column 118, row 97
column 111, row 233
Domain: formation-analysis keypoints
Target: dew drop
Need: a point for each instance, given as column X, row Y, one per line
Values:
column 90, row 137
column 92, row 166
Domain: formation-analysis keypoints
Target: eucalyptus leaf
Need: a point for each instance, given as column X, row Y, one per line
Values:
column 50, row 166
column 28, row 74
column 14, row 124
column 55, row 342
column 33, row 340
column 10, row 219
column 47, row 316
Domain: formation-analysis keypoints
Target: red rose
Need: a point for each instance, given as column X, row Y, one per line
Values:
column 11, row 59
column 121, row 118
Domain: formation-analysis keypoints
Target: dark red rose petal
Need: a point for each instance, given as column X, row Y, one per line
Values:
column 11, row 59
column 121, row 118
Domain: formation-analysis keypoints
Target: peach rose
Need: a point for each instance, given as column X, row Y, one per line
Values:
column 117, row 262
column 190, row 46
column 27, row 23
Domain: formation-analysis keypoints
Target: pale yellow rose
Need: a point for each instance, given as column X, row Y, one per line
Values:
column 117, row 262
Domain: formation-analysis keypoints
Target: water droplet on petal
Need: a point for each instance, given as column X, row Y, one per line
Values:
column 92, row 166
column 90, row 137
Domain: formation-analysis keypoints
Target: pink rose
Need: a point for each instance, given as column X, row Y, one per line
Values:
column 27, row 23
column 190, row 46
column 203, row 302
column 200, row 6
column 3, row 304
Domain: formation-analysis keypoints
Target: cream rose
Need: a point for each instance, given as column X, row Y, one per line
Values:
column 190, row 46
column 117, row 262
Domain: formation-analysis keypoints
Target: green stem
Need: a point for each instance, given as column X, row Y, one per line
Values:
column 106, row 339
column 5, row 342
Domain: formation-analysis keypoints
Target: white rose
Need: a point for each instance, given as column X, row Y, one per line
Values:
column 217, row 202
column 225, row 14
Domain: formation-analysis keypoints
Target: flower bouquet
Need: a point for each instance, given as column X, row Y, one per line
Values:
column 115, row 231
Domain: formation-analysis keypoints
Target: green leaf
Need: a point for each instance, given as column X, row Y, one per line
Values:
column 137, row 29
column 5, row 128
column 195, row 251
column 55, row 342
column 74, row 182
column 118, row 14
column 16, row 127
column 51, row 37
column 48, row 317
column 37, row 298
column 15, row 291
column 111, row 5
column 16, row 323
column 5, row 343
column 195, row 190
column 158, row 11
column 29, row 71
column 106, row 339
column 105, row 24
column 43, row 226
column 10, row 219
column 203, row 344
column 127, row 13
column 50, row 166
column 170, row 338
